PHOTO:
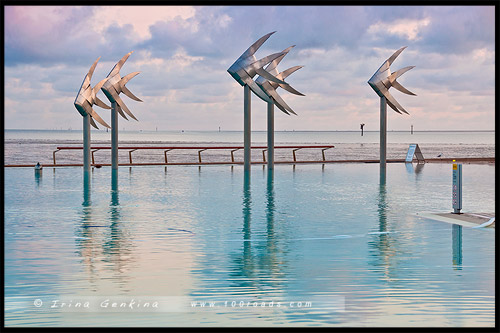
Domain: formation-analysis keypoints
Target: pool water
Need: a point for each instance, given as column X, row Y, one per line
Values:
column 336, row 237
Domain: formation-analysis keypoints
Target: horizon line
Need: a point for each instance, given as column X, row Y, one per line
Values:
column 292, row 130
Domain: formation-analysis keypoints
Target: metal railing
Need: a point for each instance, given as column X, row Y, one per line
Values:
column 200, row 149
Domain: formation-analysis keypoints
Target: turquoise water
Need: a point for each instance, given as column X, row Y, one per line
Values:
column 333, row 236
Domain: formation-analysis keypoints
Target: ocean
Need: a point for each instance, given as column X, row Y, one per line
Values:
column 32, row 146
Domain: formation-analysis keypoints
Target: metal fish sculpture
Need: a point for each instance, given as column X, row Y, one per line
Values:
column 383, row 79
column 86, row 98
column 247, row 66
column 270, row 87
column 116, row 84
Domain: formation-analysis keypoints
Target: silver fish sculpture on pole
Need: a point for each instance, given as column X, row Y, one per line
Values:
column 381, row 81
column 112, row 89
column 269, row 88
column 243, row 70
column 85, row 99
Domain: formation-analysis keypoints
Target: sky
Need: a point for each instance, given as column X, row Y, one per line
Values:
column 183, row 53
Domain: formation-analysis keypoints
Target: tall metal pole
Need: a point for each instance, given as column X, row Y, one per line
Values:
column 270, row 135
column 383, row 131
column 86, row 144
column 247, row 128
column 114, row 136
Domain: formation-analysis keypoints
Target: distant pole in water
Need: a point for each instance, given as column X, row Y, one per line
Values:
column 411, row 129
column 219, row 128
column 362, row 125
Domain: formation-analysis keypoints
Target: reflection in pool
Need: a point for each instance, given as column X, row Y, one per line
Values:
column 342, row 240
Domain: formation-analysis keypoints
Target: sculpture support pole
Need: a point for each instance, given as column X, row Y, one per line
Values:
column 383, row 131
column 247, row 128
column 114, row 136
column 270, row 135
column 86, row 144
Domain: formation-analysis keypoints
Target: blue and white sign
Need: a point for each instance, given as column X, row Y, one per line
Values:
column 414, row 150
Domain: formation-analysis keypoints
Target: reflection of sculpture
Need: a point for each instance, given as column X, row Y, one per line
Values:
column 382, row 244
column 86, row 98
column 381, row 81
column 103, row 244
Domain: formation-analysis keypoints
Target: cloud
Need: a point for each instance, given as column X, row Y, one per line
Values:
column 140, row 18
column 408, row 29
column 458, row 29
column 183, row 53
column 48, row 34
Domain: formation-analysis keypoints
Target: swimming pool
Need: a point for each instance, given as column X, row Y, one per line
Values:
column 350, row 250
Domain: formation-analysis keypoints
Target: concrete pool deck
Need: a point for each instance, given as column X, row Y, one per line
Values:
column 474, row 220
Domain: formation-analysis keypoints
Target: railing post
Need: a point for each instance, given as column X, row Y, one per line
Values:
column 130, row 155
column 294, row 158
column 323, row 153
column 165, row 152
column 199, row 154
column 54, row 155
column 93, row 162
column 232, row 155
column 264, row 155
